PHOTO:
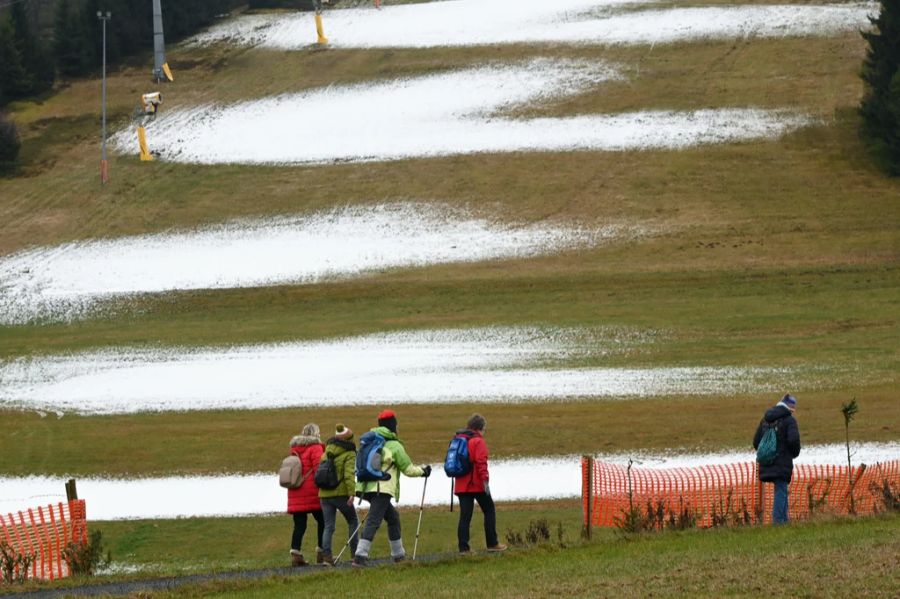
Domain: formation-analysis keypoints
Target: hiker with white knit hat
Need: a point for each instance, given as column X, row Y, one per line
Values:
column 342, row 451
column 779, row 468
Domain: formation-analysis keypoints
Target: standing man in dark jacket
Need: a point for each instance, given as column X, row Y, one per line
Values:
column 780, row 471
column 474, row 486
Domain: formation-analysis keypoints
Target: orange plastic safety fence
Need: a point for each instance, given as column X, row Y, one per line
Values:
column 727, row 494
column 43, row 533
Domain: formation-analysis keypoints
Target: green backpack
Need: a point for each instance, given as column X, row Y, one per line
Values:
column 767, row 450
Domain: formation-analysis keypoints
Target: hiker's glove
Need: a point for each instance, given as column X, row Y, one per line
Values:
column 350, row 501
column 426, row 470
column 487, row 488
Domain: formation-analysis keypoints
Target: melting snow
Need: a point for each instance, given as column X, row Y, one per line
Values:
column 487, row 22
column 439, row 115
column 551, row 477
column 444, row 366
column 68, row 281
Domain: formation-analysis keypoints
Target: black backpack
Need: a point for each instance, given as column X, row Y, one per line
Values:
column 327, row 475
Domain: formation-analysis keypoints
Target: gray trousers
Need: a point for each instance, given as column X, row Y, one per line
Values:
column 380, row 508
column 330, row 507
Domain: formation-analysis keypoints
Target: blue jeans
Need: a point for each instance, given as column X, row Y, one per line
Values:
column 780, row 503
column 330, row 507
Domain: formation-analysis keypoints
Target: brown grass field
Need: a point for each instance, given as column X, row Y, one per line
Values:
column 771, row 252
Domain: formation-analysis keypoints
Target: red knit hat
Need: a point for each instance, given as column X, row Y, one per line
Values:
column 388, row 420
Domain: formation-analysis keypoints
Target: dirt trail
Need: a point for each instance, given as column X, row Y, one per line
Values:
column 153, row 585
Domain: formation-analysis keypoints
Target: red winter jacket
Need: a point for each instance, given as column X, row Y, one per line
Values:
column 473, row 482
column 305, row 498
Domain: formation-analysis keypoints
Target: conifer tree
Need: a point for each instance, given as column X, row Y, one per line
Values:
column 35, row 58
column 68, row 41
column 15, row 81
column 9, row 144
column 880, row 108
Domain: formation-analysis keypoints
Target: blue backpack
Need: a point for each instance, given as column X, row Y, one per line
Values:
column 457, row 462
column 368, row 458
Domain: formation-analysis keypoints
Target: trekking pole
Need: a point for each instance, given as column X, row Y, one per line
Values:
column 421, row 510
column 350, row 539
column 452, row 484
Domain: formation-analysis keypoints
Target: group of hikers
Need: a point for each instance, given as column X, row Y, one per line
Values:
column 371, row 472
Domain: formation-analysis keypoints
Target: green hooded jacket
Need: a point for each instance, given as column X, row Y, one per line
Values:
column 344, row 455
column 394, row 460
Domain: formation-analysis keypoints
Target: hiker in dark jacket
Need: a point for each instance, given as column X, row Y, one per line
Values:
column 342, row 450
column 781, row 470
column 474, row 486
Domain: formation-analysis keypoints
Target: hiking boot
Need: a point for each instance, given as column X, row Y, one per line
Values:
column 359, row 561
column 320, row 556
column 497, row 548
column 327, row 559
column 465, row 552
column 297, row 559
column 398, row 558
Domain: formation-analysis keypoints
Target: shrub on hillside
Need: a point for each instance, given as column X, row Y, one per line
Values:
column 888, row 493
column 536, row 533
column 14, row 566
column 661, row 516
column 728, row 511
column 85, row 558
column 9, row 144
column 880, row 108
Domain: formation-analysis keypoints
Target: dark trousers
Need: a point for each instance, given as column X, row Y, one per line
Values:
column 380, row 508
column 330, row 507
column 466, row 509
column 300, row 528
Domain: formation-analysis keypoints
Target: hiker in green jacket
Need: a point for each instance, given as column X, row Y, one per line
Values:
column 394, row 460
column 342, row 450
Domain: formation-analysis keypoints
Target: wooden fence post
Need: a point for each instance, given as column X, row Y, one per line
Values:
column 589, row 496
column 71, row 491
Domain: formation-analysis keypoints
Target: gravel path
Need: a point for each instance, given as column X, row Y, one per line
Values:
column 119, row 589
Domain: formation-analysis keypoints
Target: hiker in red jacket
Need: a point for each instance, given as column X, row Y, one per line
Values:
column 474, row 486
column 304, row 500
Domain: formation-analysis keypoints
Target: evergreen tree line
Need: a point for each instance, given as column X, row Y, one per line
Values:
column 298, row 4
column 29, row 65
column 880, row 108
column 26, row 65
